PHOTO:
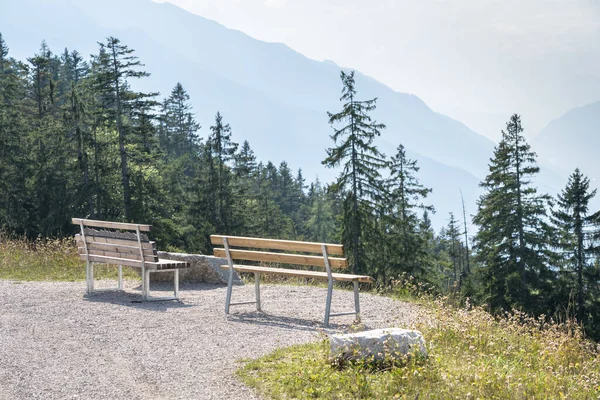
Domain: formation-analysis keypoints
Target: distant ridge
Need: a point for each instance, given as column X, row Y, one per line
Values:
column 572, row 141
column 273, row 96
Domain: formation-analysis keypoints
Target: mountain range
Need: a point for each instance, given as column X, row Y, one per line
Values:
column 272, row 96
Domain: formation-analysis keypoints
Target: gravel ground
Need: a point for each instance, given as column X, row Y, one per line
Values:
column 56, row 343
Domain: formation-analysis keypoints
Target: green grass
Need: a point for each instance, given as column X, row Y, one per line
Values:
column 48, row 260
column 472, row 355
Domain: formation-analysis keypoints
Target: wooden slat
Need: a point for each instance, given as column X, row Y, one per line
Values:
column 128, row 256
column 116, row 261
column 115, row 234
column 111, row 225
column 160, row 264
column 273, row 244
column 114, row 248
column 297, row 259
column 124, row 242
column 299, row 273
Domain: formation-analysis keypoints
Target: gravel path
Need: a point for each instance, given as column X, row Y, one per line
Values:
column 56, row 343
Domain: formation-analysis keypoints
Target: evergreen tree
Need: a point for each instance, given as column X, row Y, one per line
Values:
column 49, row 158
column 452, row 235
column 244, row 172
column 577, row 242
column 512, row 244
column 222, row 150
column 408, row 245
column 360, row 179
column 74, row 71
column 180, row 127
column 467, row 269
column 321, row 224
column 15, row 203
column 115, row 65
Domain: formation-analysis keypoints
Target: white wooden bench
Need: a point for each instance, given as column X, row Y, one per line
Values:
column 322, row 260
column 116, row 245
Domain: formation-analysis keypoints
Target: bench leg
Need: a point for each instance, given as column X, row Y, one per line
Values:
column 356, row 301
column 91, row 278
column 229, row 287
column 176, row 283
column 146, row 285
column 87, row 278
column 328, row 303
column 257, row 289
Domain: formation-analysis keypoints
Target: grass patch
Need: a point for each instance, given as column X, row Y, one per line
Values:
column 48, row 260
column 472, row 355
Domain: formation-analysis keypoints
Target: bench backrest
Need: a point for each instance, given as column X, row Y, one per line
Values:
column 281, row 258
column 115, row 243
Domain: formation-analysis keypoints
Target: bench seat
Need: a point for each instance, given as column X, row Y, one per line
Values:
column 300, row 273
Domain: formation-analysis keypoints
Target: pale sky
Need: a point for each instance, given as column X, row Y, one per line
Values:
column 475, row 60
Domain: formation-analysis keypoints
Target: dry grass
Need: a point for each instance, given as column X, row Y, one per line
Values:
column 47, row 260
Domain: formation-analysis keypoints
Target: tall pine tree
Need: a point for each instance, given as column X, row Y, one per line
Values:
column 577, row 243
column 512, row 242
column 115, row 66
column 360, row 180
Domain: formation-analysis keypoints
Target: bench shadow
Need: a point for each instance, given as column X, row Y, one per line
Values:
column 134, row 299
column 285, row 322
column 128, row 299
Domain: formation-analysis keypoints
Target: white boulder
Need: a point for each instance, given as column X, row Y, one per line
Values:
column 379, row 343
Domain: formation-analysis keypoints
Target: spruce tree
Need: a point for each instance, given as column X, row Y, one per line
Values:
column 512, row 242
column 115, row 66
column 244, row 188
column 467, row 269
column 406, row 198
column 452, row 235
column 49, row 158
column 577, row 243
column 321, row 223
column 180, row 127
column 222, row 150
column 15, row 202
column 361, row 162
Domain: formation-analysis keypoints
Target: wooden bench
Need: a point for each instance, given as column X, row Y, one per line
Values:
column 118, row 246
column 322, row 260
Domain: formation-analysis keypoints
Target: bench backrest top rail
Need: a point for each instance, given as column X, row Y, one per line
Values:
column 111, row 225
column 282, row 258
column 110, row 243
column 275, row 244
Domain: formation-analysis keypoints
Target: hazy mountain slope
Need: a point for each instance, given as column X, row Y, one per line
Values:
column 272, row 96
column 572, row 141
column 279, row 72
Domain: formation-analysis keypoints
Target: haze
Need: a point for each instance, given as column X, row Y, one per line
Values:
column 476, row 61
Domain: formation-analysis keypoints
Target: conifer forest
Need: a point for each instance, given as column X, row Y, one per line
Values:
column 76, row 140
